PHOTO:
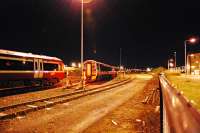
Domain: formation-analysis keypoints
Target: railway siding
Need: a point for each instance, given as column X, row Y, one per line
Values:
column 12, row 111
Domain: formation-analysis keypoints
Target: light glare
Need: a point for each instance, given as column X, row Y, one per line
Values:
column 192, row 40
column 86, row 1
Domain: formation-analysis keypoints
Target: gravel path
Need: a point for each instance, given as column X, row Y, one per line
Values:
column 132, row 116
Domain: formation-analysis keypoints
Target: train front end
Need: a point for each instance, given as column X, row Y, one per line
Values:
column 90, row 70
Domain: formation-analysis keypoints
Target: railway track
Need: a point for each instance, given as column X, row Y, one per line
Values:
column 24, row 89
column 18, row 90
column 21, row 109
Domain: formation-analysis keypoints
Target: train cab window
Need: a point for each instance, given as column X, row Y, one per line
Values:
column 16, row 65
column 50, row 67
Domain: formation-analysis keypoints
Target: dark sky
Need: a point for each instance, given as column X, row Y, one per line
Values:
column 148, row 31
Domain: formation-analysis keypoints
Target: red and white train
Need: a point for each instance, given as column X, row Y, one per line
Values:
column 26, row 69
column 95, row 70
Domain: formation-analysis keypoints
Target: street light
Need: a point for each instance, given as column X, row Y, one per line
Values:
column 191, row 40
column 82, row 74
column 82, row 38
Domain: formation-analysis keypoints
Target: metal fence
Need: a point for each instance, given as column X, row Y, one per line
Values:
column 179, row 116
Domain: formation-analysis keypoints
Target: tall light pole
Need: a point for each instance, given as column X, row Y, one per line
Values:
column 168, row 64
column 120, row 58
column 82, row 40
column 175, row 59
column 191, row 40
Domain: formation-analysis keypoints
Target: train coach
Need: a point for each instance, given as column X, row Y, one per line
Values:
column 95, row 70
column 26, row 69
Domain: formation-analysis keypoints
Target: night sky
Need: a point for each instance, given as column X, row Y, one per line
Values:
column 148, row 31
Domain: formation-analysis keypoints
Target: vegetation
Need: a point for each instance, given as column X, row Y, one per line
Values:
column 189, row 85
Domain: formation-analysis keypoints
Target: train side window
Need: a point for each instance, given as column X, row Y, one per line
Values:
column 15, row 65
column 104, row 68
column 98, row 67
column 50, row 67
column 28, row 65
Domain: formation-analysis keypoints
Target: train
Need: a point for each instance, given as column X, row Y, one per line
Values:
column 94, row 71
column 27, row 69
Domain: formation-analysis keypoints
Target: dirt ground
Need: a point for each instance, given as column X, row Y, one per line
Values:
column 126, row 108
column 20, row 98
column 137, row 115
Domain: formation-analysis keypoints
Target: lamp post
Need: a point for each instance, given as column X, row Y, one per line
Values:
column 168, row 63
column 82, row 39
column 175, row 59
column 191, row 40
column 82, row 28
column 120, row 58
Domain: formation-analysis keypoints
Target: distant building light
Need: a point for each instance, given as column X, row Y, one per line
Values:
column 73, row 64
column 171, row 64
column 148, row 69
column 79, row 65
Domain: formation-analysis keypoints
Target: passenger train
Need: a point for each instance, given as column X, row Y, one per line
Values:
column 27, row 69
column 95, row 70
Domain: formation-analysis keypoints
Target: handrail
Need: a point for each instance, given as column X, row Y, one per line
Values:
column 179, row 116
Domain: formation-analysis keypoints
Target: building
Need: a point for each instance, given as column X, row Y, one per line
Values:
column 193, row 64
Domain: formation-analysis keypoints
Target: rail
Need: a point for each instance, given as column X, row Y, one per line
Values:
column 179, row 116
column 12, row 111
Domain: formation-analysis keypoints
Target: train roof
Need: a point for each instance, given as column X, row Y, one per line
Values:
column 29, row 55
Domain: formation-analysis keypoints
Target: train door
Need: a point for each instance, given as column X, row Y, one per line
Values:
column 40, row 63
column 88, row 70
column 38, row 68
column 94, row 71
